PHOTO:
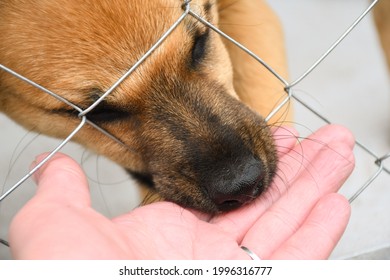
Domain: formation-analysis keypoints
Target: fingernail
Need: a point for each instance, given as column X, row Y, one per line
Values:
column 38, row 159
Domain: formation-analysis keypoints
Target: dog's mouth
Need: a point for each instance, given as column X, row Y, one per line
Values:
column 221, row 192
column 214, row 188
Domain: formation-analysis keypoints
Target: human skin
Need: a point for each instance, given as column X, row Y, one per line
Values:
column 300, row 216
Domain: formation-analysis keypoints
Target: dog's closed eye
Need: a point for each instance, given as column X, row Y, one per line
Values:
column 199, row 48
column 107, row 113
column 103, row 113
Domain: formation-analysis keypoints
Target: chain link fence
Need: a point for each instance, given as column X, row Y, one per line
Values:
column 367, row 154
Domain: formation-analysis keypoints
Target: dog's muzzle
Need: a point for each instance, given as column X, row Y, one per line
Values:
column 234, row 186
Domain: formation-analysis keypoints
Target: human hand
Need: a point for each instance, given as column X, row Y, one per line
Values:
column 299, row 217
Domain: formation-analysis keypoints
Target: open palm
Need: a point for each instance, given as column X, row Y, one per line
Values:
column 299, row 217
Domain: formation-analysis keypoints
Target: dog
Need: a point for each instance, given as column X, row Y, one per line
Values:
column 189, row 116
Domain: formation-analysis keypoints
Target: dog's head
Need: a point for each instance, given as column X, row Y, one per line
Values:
column 183, row 128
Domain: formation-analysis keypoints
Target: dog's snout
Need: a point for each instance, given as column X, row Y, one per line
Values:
column 238, row 185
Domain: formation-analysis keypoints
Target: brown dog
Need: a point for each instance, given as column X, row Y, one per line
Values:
column 179, row 115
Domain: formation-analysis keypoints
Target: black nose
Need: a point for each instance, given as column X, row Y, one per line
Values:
column 236, row 185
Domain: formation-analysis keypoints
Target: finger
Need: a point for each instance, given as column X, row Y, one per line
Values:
column 320, row 232
column 285, row 139
column 336, row 140
column 332, row 143
column 62, row 187
column 61, row 180
column 325, row 174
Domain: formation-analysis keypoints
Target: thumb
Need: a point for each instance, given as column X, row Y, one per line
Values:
column 61, row 180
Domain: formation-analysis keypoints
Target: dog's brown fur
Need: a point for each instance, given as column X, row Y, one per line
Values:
column 382, row 21
column 179, row 114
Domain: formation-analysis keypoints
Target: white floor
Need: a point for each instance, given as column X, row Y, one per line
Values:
column 351, row 88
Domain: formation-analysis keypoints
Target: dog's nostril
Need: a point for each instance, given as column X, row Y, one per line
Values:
column 230, row 201
column 242, row 186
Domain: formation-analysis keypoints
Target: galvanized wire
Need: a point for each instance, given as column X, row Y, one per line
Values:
column 289, row 89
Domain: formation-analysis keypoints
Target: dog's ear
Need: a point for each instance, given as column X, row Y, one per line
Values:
column 255, row 25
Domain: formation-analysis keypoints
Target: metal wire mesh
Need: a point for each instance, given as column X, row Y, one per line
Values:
column 377, row 159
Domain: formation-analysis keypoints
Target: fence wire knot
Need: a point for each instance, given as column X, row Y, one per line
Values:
column 381, row 159
column 186, row 5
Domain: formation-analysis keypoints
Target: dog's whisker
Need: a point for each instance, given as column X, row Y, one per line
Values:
column 16, row 155
column 150, row 197
column 46, row 159
column 280, row 106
